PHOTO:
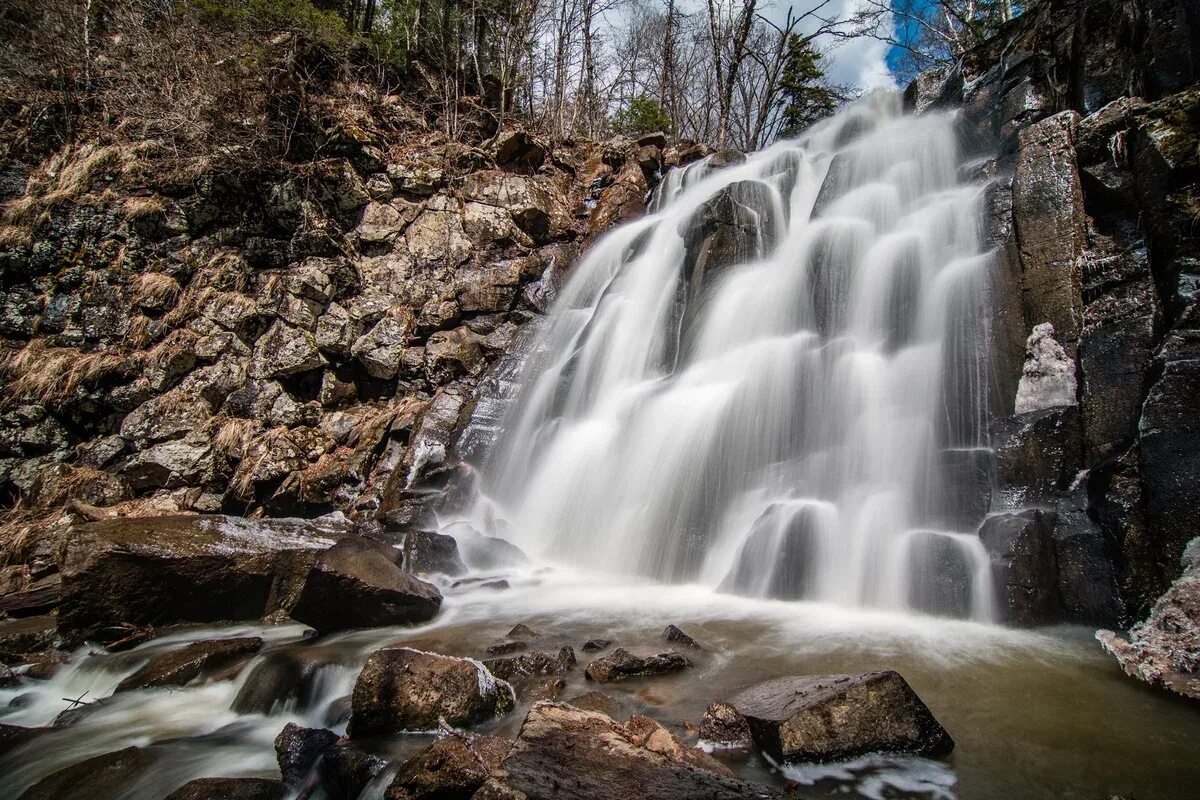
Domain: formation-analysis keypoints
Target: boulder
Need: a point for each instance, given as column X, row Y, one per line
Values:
column 1024, row 566
column 159, row 570
column 527, row 664
column 25, row 635
column 523, row 632
column 506, row 648
column 181, row 667
column 1164, row 649
column 402, row 689
column 170, row 465
column 620, row 664
column 454, row 766
column 345, row 770
column 14, row 736
column 427, row 552
column 297, row 750
column 381, row 349
column 106, row 775
column 674, row 635
column 596, row 645
column 723, row 726
column 285, row 350
column 278, row 679
column 519, row 148
column 566, row 753
column 1048, row 380
column 358, row 583
column 838, row 717
column 229, row 789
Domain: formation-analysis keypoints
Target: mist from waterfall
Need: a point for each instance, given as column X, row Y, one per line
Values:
column 774, row 383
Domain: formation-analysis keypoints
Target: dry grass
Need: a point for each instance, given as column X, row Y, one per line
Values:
column 155, row 290
column 139, row 207
column 138, row 334
column 75, row 483
column 45, row 374
column 65, row 176
column 231, row 436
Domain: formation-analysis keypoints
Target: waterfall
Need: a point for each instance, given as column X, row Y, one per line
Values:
column 774, row 383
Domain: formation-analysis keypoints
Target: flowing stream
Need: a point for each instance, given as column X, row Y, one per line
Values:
column 769, row 384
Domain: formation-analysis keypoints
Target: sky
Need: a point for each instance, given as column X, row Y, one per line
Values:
column 859, row 62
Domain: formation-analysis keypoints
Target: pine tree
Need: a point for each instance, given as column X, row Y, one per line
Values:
column 806, row 99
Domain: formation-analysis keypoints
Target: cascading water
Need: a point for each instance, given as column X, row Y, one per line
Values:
column 774, row 383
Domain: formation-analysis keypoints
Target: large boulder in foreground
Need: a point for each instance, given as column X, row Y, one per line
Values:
column 402, row 689
column 454, row 766
column 358, row 583
column 621, row 664
column 297, row 750
column 1164, row 650
column 837, row 717
column 229, row 789
column 161, row 570
column 180, row 667
column 566, row 753
column 106, row 775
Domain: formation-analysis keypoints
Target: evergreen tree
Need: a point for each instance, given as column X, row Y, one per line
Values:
column 806, row 99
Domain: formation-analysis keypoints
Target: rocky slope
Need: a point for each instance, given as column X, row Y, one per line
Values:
column 291, row 343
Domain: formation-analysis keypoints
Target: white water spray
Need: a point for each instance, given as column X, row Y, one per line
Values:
column 774, row 383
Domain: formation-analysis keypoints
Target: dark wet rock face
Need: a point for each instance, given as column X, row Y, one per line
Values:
column 358, row 583
column 14, row 736
column 345, row 770
column 229, row 789
column 569, row 754
column 429, row 552
column 453, row 766
column 181, row 667
column 298, row 749
column 402, row 689
column 105, row 775
column 1024, row 564
column 160, row 570
column 836, row 717
column 620, row 665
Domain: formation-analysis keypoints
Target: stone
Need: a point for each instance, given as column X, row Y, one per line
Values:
column 620, row 665
column 285, row 350
column 567, row 753
column 298, row 749
column 598, row 702
column 454, row 766
column 723, row 726
column 19, row 636
column 838, row 717
column 381, row 349
column 385, row 222
column 535, row 663
column 14, row 736
column 595, row 645
column 506, row 648
column 170, row 465
column 517, row 147
column 337, row 331
column 345, row 770
column 1024, row 565
column 437, row 238
column 276, row 681
column 1051, row 224
column 106, row 775
column 523, row 632
column 451, row 354
column 1048, row 380
column 159, row 570
column 168, row 416
column 358, row 583
column 674, row 635
column 622, row 201
column 402, row 689
column 229, row 789
column 934, row 89
column 1164, row 649
column 1038, row 455
column 181, row 667
column 428, row 552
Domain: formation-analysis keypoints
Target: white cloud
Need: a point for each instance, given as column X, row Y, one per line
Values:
column 855, row 62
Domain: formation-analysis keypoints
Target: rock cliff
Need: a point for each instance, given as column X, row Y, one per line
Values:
column 1086, row 116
